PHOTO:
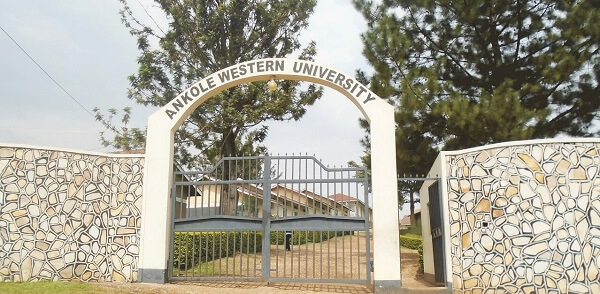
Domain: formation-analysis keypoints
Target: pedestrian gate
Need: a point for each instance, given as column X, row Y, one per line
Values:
column 435, row 221
column 230, row 222
column 437, row 233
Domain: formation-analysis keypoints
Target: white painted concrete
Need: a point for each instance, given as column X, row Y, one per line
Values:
column 522, row 143
column 159, row 155
column 434, row 172
column 38, row 147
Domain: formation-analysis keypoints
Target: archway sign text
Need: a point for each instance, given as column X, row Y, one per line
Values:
column 271, row 66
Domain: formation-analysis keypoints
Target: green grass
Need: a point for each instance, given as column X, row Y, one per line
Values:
column 50, row 288
column 205, row 269
column 414, row 232
column 413, row 236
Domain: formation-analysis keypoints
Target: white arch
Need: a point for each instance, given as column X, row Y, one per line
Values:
column 155, row 230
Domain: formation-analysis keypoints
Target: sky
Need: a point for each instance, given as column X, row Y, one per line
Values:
column 84, row 46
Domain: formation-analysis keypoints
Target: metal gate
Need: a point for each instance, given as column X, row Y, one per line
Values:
column 437, row 233
column 271, row 218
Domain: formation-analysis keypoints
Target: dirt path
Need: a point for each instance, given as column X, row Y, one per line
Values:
column 409, row 263
column 340, row 258
column 232, row 287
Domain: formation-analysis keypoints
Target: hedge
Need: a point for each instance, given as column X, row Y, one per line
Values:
column 187, row 245
column 410, row 242
column 303, row 237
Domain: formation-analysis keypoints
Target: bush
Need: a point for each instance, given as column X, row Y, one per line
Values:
column 303, row 237
column 187, row 250
column 410, row 242
column 415, row 230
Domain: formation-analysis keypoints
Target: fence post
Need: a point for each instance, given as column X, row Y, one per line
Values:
column 266, row 221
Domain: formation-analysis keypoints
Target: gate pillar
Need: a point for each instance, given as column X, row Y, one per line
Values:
column 386, row 247
column 156, row 204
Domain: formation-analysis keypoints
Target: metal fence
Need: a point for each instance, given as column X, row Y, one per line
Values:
column 271, row 218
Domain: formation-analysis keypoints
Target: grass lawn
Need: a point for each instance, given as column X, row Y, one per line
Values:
column 50, row 287
column 413, row 236
column 204, row 269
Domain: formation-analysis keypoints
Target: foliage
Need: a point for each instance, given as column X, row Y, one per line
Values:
column 191, row 249
column 415, row 231
column 124, row 137
column 249, row 207
column 469, row 73
column 303, row 237
column 196, row 248
column 203, row 37
column 410, row 242
column 485, row 71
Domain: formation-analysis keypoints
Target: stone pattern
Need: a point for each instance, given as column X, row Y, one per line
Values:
column 69, row 216
column 526, row 219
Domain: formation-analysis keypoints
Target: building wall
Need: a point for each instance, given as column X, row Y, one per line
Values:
column 525, row 216
column 297, row 203
column 66, row 215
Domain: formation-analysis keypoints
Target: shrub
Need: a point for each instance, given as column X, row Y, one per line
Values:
column 415, row 230
column 410, row 242
column 303, row 237
column 187, row 250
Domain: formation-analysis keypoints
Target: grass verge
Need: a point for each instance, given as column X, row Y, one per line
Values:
column 46, row 287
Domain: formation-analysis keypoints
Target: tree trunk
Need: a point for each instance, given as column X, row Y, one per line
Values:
column 412, row 208
column 229, row 198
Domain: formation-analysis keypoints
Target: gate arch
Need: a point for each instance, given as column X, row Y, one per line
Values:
column 155, row 229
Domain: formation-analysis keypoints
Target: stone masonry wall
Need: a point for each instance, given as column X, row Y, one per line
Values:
column 526, row 219
column 69, row 216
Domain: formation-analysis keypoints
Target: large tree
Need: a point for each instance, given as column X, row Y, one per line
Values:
column 474, row 72
column 203, row 37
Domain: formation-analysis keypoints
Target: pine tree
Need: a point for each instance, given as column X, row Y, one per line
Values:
column 470, row 73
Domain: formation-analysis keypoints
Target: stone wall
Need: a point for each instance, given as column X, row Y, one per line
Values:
column 525, row 218
column 69, row 216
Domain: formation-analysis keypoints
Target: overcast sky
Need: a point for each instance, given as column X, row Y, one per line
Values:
column 86, row 48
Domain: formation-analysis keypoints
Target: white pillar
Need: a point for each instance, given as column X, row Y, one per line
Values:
column 156, row 209
column 386, row 244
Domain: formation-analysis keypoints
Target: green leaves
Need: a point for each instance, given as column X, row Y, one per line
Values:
column 204, row 37
column 123, row 138
column 469, row 73
column 497, row 70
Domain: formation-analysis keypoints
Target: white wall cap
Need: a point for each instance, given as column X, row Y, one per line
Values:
column 522, row 143
column 60, row 149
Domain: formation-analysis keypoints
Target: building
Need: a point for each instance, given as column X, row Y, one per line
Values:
column 405, row 221
column 355, row 206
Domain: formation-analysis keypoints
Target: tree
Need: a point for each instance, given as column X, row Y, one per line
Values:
column 470, row 73
column 123, row 138
column 203, row 37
